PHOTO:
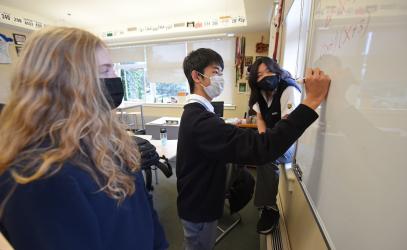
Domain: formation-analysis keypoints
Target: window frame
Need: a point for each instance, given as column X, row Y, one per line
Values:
column 188, row 44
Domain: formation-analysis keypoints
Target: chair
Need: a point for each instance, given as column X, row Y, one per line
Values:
column 234, row 220
column 151, row 161
column 239, row 192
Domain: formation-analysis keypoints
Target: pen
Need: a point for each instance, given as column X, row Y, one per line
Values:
column 300, row 80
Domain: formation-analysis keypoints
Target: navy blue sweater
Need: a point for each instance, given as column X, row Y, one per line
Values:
column 206, row 143
column 66, row 211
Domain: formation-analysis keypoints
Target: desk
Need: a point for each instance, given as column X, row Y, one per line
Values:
column 241, row 123
column 153, row 127
column 169, row 150
column 130, row 105
column 250, row 125
column 4, row 244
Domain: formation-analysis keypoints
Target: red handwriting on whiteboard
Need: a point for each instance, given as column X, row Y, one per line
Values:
column 345, row 35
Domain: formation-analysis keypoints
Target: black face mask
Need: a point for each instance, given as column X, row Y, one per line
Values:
column 269, row 83
column 115, row 91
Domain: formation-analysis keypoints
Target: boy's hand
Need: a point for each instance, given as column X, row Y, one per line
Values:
column 316, row 87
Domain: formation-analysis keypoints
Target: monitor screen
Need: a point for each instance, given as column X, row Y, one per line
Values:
column 218, row 108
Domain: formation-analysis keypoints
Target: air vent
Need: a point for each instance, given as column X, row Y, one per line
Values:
column 276, row 239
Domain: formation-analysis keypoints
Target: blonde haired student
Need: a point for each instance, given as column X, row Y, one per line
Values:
column 69, row 174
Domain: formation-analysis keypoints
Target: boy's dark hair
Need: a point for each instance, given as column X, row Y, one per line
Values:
column 198, row 60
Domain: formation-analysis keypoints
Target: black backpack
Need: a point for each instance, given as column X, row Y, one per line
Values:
column 150, row 160
column 241, row 189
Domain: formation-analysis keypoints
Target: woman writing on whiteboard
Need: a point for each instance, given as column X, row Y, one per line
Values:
column 69, row 173
column 274, row 94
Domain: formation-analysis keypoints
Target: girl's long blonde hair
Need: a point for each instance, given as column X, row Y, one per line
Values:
column 57, row 112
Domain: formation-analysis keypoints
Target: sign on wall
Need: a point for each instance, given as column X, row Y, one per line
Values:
column 24, row 22
column 188, row 25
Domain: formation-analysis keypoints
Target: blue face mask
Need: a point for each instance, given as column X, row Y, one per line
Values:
column 216, row 86
column 269, row 83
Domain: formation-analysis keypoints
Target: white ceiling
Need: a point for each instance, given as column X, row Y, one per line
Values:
column 105, row 14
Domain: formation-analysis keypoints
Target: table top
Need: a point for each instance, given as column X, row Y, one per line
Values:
column 163, row 121
column 146, row 137
column 129, row 105
column 4, row 244
column 169, row 150
column 249, row 125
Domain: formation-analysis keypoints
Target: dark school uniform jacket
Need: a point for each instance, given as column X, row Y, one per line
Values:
column 206, row 143
column 68, row 211
column 272, row 114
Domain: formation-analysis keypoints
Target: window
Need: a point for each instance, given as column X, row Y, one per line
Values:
column 154, row 73
column 295, row 40
column 133, row 77
column 164, row 72
column 226, row 48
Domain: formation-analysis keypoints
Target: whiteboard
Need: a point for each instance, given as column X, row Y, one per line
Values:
column 353, row 158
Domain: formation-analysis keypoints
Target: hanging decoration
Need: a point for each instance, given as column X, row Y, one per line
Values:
column 277, row 25
column 240, row 56
column 262, row 47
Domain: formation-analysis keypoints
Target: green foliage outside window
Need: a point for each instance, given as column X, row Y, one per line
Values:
column 169, row 89
column 137, row 89
column 133, row 80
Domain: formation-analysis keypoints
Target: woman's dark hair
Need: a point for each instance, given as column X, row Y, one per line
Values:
column 253, row 71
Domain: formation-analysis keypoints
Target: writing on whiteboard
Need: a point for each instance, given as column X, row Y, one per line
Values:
column 345, row 34
column 341, row 21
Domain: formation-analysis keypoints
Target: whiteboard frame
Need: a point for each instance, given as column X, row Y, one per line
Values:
column 296, row 167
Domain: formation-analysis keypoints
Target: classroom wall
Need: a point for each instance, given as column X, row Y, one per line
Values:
column 240, row 100
column 6, row 69
column 301, row 226
column 238, row 109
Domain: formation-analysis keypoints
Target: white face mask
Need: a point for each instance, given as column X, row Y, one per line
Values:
column 215, row 88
